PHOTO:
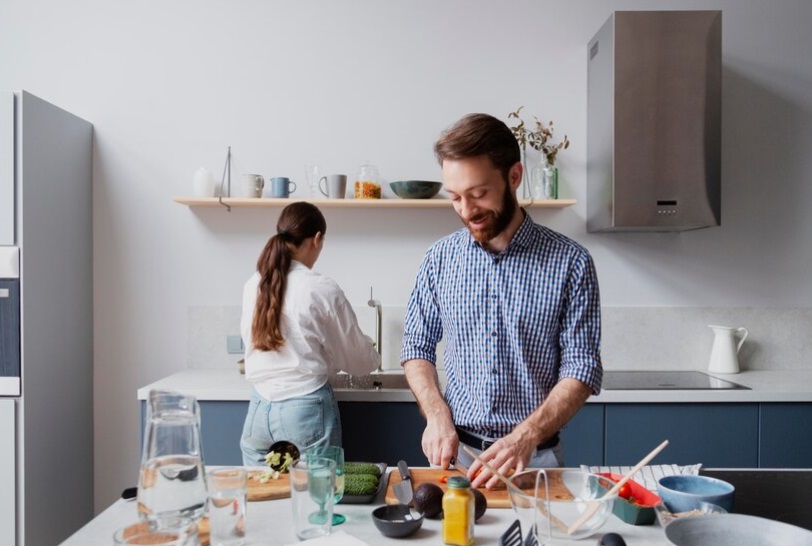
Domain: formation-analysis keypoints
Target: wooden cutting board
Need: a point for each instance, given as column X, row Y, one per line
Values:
column 270, row 490
column 497, row 498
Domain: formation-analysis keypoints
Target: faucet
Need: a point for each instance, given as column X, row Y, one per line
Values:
column 378, row 319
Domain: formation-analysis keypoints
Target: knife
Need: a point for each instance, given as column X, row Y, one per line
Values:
column 404, row 490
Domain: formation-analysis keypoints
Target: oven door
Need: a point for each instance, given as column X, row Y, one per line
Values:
column 10, row 384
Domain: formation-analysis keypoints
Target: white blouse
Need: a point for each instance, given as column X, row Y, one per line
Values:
column 321, row 334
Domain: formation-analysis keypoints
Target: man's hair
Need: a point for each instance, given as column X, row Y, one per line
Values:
column 477, row 135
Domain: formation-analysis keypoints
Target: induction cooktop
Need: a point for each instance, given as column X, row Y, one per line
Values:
column 657, row 380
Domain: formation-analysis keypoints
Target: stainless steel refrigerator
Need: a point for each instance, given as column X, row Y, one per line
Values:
column 46, row 321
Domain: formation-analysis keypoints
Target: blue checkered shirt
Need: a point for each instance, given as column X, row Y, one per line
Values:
column 515, row 323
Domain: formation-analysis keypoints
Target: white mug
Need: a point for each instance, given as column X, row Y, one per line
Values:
column 333, row 186
column 252, row 185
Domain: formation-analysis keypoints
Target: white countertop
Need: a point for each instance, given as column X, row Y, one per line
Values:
column 269, row 524
column 765, row 386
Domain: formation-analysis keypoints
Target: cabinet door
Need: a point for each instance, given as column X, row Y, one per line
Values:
column 220, row 430
column 383, row 432
column 582, row 438
column 716, row 435
column 785, row 438
column 8, row 472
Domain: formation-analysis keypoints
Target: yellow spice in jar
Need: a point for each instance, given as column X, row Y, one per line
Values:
column 458, row 512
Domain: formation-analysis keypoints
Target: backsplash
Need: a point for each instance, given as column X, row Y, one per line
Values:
column 634, row 338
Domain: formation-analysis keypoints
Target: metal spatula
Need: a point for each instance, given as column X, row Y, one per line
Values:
column 513, row 536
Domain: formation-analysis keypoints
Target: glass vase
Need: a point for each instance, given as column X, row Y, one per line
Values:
column 544, row 181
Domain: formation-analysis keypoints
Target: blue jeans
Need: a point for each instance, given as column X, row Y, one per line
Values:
column 307, row 421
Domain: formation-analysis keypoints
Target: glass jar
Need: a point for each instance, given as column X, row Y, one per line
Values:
column 458, row 512
column 367, row 185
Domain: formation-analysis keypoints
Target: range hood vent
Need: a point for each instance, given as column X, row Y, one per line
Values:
column 654, row 115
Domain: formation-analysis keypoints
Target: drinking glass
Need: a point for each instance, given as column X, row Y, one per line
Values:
column 228, row 489
column 336, row 454
column 312, row 175
column 312, row 484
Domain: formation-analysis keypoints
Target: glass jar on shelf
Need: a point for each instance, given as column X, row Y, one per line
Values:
column 367, row 184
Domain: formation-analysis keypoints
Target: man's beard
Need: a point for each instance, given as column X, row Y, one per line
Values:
column 498, row 221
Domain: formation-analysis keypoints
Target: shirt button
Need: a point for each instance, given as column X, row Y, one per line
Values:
column 493, row 334
column 493, row 371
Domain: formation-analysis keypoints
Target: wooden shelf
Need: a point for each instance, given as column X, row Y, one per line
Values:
column 356, row 203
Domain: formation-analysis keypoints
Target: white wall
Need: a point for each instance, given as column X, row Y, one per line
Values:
column 168, row 85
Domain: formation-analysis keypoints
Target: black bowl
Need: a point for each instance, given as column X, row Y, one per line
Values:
column 415, row 189
column 396, row 520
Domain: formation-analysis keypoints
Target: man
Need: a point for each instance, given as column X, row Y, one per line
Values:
column 519, row 307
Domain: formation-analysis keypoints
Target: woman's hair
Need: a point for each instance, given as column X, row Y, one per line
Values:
column 297, row 222
column 476, row 135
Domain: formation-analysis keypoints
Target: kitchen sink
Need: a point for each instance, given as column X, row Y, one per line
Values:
column 373, row 381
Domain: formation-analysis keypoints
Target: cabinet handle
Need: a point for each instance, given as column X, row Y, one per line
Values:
column 4, row 293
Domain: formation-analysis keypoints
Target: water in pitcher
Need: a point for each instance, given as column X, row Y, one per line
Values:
column 172, row 486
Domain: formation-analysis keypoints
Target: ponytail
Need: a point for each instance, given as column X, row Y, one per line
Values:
column 297, row 222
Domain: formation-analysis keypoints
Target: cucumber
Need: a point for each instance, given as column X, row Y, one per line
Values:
column 360, row 484
column 362, row 468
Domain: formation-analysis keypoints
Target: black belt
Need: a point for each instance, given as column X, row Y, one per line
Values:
column 478, row 443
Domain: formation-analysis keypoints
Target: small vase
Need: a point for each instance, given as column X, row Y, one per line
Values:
column 550, row 181
column 544, row 180
column 524, row 191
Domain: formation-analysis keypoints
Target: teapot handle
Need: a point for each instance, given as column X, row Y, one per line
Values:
column 743, row 333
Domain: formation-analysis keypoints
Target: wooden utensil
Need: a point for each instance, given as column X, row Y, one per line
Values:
column 590, row 511
column 542, row 510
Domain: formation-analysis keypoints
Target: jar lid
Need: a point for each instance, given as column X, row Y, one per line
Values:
column 458, row 482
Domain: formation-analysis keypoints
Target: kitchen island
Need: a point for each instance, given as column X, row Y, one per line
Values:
column 756, row 427
column 269, row 524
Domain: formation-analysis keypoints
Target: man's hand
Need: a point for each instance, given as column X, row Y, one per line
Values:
column 440, row 442
column 508, row 455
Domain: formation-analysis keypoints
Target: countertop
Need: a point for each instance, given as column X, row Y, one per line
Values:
column 765, row 386
column 269, row 524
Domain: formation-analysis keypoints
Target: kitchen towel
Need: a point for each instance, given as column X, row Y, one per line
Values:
column 336, row 538
column 648, row 476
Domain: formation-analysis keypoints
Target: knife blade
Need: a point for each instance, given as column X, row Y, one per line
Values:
column 404, row 490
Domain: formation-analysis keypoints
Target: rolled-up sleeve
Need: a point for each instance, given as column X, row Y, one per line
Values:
column 580, row 338
column 422, row 328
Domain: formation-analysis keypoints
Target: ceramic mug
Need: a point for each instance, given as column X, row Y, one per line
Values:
column 333, row 186
column 252, row 185
column 282, row 186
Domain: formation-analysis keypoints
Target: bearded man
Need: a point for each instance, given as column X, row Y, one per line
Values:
column 519, row 307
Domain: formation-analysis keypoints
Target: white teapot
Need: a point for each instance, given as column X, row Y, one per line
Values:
column 725, row 350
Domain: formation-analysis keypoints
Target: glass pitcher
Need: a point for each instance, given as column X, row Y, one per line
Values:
column 172, row 481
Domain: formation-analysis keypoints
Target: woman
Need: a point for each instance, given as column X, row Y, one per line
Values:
column 298, row 328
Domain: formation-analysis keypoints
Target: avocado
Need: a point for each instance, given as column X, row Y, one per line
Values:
column 428, row 499
column 480, row 504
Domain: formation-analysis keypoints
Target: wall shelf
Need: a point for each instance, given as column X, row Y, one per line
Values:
column 355, row 203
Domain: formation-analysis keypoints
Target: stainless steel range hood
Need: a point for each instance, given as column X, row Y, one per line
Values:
column 654, row 122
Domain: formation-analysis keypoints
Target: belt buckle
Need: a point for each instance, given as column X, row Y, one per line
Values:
column 485, row 444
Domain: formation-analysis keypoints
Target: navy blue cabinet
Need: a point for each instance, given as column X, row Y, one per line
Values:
column 583, row 437
column 720, row 435
column 383, row 432
column 785, row 438
column 716, row 435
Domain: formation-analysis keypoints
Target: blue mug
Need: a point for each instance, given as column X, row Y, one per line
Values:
column 282, row 187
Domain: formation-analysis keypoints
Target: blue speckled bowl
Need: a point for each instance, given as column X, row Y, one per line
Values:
column 415, row 189
column 684, row 493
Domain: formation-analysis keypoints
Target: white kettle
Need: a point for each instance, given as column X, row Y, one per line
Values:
column 725, row 350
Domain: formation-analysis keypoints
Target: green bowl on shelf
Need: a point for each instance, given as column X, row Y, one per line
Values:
column 415, row 189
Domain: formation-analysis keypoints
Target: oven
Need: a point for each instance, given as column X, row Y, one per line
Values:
column 10, row 376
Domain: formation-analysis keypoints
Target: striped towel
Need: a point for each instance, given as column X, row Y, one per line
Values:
column 648, row 475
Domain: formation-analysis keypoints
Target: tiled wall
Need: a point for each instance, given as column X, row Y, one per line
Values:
column 634, row 338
